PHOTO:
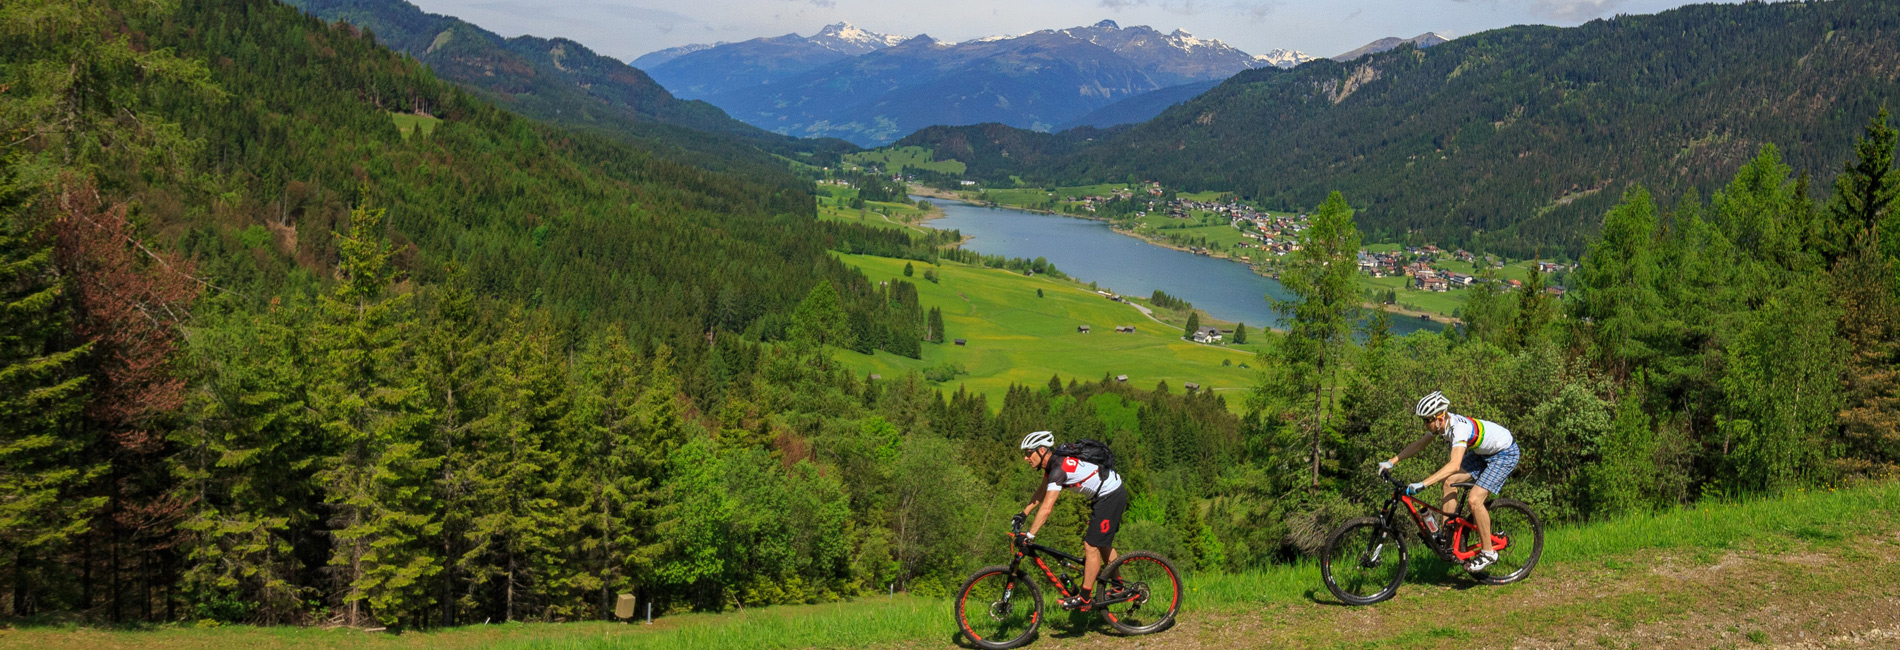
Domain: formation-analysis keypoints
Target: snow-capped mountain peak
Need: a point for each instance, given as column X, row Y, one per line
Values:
column 849, row 39
column 1283, row 58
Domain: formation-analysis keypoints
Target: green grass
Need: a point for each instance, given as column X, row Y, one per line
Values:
column 1623, row 546
column 896, row 157
column 409, row 123
column 1016, row 338
column 1437, row 302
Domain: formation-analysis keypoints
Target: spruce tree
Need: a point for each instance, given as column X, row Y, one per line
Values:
column 1240, row 332
column 41, row 393
column 935, row 331
column 371, row 407
column 1864, row 193
column 516, row 541
column 1193, row 325
column 246, row 467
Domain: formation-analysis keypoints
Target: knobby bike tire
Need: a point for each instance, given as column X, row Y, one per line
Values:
column 979, row 596
column 1339, row 556
column 1524, row 562
column 1159, row 584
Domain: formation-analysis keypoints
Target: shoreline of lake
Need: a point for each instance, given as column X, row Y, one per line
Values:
column 1092, row 251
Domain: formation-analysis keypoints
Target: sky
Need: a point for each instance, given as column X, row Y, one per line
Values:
column 629, row 28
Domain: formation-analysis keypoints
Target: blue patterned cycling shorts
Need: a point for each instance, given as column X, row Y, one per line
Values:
column 1490, row 471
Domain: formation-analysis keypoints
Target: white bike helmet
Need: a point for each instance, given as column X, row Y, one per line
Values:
column 1432, row 405
column 1038, row 439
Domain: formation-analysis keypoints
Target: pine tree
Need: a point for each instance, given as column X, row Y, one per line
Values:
column 908, row 270
column 1240, row 333
column 371, row 406
column 935, row 327
column 41, row 392
column 1193, row 325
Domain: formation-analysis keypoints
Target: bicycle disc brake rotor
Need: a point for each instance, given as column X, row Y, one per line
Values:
column 1001, row 610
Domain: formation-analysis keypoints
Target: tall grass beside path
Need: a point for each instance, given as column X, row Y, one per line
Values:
column 1763, row 524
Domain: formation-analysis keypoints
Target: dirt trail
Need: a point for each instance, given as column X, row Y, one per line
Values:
column 1838, row 593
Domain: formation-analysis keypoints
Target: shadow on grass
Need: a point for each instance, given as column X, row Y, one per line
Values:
column 1428, row 571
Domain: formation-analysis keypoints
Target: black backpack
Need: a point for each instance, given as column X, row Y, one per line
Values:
column 1088, row 450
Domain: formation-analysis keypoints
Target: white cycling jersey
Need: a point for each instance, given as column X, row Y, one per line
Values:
column 1482, row 437
column 1082, row 476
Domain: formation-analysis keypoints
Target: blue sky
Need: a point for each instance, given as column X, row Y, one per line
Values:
column 629, row 28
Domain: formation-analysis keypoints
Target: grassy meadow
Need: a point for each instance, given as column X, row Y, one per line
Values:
column 1847, row 528
column 895, row 158
column 1014, row 337
column 409, row 123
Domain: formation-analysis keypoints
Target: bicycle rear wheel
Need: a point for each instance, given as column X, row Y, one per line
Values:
column 1364, row 561
column 1156, row 590
column 1519, row 535
column 996, row 610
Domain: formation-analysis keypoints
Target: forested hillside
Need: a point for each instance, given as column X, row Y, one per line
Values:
column 561, row 81
column 1509, row 140
column 263, row 359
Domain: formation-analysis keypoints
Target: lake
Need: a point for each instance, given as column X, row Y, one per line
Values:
column 1090, row 251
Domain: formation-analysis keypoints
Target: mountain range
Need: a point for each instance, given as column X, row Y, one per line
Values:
column 1514, row 140
column 872, row 88
column 561, row 81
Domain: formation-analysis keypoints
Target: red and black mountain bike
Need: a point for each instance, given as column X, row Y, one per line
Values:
column 1365, row 559
column 1000, row 606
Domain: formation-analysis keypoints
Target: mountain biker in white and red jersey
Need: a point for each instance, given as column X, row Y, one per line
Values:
column 1107, row 501
column 1482, row 452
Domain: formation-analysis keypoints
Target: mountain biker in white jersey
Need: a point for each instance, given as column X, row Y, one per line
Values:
column 1107, row 502
column 1482, row 452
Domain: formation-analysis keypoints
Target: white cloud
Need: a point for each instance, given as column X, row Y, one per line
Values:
column 1181, row 7
column 1560, row 10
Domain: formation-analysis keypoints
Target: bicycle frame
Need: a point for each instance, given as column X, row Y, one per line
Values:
column 1034, row 552
column 1458, row 524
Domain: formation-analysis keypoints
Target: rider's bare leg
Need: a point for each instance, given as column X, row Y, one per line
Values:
column 1092, row 564
column 1480, row 515
column 1450, row 502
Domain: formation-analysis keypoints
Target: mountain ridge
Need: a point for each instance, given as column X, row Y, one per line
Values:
column 1039, row 80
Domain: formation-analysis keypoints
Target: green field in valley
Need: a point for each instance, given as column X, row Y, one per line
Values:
column 1013, row 337
column 1719, row 574
column 895, row 158
column 834, row 205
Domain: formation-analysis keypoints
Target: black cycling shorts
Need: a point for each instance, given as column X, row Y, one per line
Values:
column 1105, row 518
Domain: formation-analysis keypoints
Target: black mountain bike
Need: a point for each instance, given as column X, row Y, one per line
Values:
column 1365, row 559
column 1000, row 606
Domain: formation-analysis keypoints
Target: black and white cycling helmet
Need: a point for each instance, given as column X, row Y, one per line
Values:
column 1432, row 405
column 1038, row 439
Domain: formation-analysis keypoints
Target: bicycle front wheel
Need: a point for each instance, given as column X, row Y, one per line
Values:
column 1518, row 535
column 1144, row 592
column 996, row 610
column 1364, row 561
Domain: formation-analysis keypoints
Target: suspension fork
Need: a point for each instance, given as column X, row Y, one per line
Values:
column 1009, row 587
